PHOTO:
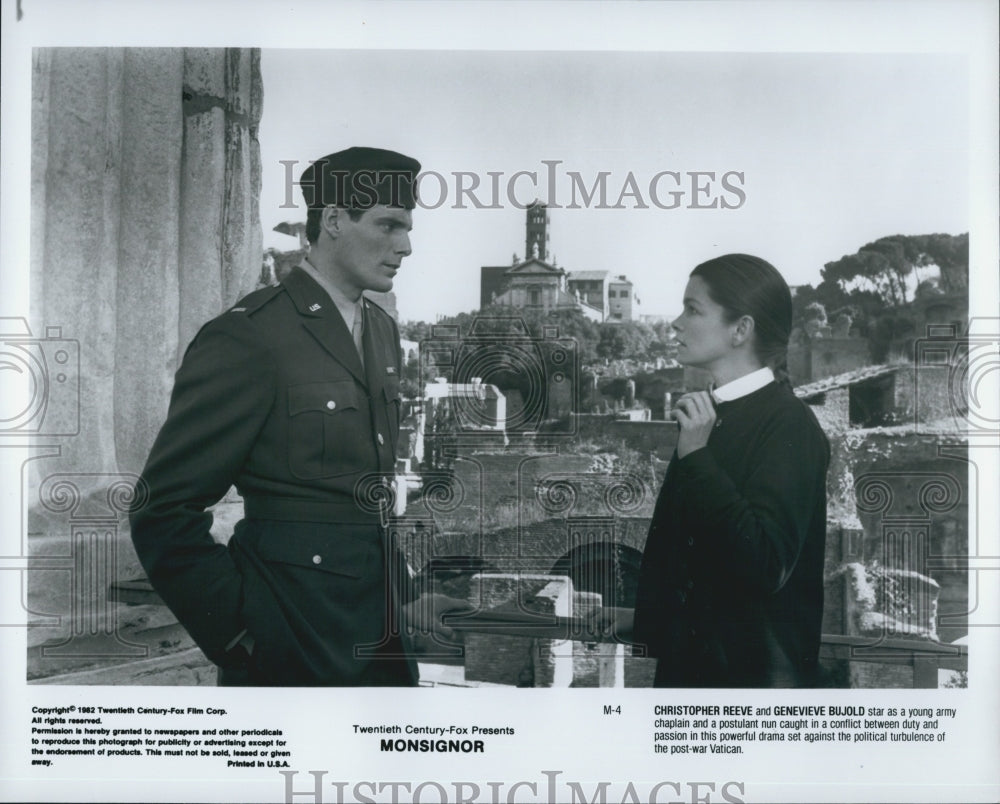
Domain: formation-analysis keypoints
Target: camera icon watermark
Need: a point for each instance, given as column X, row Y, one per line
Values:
column 957, row 377
column 497, row 380
column 40, row 381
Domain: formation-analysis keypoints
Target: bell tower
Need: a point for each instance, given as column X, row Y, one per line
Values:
column 536, row 232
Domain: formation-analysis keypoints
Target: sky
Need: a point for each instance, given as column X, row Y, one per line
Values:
column 832, row 151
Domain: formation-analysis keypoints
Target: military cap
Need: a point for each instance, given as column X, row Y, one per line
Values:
column 360, row 178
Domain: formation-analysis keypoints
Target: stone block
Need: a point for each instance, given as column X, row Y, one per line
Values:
column 517, row 660
column 598, row 664
column 879, row 601
column 205, row 71
column 187, row 668
column 639, row 671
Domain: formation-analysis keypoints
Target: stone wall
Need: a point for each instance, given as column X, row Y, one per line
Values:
column 833, row 410
column 932, row 395
column 659, row 437
column 817, row 358
column 145, row 222
column 913, row 502
column 649, row 387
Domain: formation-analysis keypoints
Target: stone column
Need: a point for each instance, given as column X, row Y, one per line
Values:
column 145, row 224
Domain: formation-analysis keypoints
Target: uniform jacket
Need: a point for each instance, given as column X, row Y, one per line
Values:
column 271, row 397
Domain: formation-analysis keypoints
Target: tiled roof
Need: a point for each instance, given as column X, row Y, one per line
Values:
column 844, row 380
column 586, row 275
column 543, row 267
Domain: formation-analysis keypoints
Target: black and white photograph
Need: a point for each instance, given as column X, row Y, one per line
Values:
column 502, row 401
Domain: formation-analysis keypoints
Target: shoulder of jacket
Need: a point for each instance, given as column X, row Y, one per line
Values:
column 254, row 301
column 235, row 322
column 378, row 311
column 796, row 413
column 375, row 307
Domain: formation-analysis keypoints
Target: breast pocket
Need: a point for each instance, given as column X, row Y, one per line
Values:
column 327, row 428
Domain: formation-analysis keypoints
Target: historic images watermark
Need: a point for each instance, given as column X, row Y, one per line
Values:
column 560, row 187
column 549, row 789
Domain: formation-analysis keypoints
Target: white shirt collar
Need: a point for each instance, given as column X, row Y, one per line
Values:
column 744, row 385
column 348, row 309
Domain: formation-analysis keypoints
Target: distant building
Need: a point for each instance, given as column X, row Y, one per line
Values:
column 536, row 237
column 492, row 281
column 536, row 283
column 592, row 287
column 612, row 295
column 863, row 397
column 620, row 299
column 824, row 354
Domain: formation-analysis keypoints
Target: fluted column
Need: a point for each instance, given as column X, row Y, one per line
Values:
column 145, row 224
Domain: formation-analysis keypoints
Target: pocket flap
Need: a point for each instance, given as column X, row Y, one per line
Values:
column 324, row 397
column 327, row 553
column 391, row 389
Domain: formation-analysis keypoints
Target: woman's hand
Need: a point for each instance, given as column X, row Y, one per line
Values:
column 695, row 413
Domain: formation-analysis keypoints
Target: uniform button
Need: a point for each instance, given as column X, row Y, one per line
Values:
column 331, row 405
column 690, row 541
column 317, row 559
column 380, row 439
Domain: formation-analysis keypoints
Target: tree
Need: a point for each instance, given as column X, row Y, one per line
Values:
column 414, row 330
column 625, row 340
column 885, row 267
column 873, row 288
column 882, row 266
column 928, row 288
column 662, row 343
column 951, row 254
column 811, row 319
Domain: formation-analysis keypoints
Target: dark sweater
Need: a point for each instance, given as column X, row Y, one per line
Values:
column 731, row 584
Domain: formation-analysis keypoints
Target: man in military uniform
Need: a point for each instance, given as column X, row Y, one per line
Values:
column 293, row 396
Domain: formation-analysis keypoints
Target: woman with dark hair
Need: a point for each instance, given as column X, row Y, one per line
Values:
column 731, row 584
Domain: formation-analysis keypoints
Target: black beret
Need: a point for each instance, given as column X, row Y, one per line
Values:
column 360, row 178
